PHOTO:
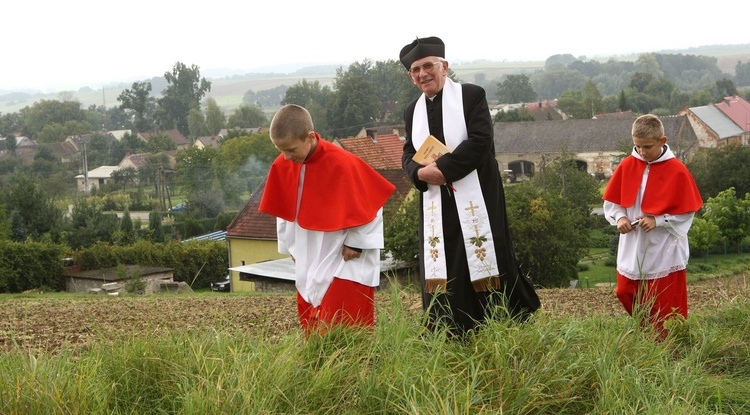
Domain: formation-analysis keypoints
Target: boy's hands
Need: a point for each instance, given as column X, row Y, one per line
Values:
column 349, row 253
column 625, row 225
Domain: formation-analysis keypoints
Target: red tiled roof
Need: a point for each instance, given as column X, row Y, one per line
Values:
column 399, row 179
column 737, row 109
column 382, row 153
column 251, row 223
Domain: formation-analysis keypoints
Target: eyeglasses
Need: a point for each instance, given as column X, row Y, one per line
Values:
column 427, row 66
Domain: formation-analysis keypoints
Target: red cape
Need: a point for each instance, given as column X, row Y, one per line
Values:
column 340, row 190
column 670, row 187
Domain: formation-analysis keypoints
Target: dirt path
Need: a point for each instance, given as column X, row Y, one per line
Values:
column 46, row 324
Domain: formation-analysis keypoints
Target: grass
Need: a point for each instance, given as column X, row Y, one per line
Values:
column 549, row 365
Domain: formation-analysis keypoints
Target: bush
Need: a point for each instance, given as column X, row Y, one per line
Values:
column 30, row 265
column 197, row 263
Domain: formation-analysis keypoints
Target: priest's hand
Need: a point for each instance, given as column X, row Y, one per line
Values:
column 349, row 253
column 431, row 174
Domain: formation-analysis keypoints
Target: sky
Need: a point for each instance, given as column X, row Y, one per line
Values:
column 52, row 45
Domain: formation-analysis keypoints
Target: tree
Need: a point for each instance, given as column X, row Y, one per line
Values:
column 39, row 212
column 154, row 224
column 717, row 169
column 622, row 101
column 401, row 230
column 515, row 89
column 549, row 235
column 139, row 100
column 215, row 118
column 57, row 132
column 17, row 229
column 125, row 177
column 551, row 84
column 89, row 224
column 563, row 177
column 514, row 115
column 6, row 224
column 640, row 80
column 559, row 61
column 354, row 104
column 185, row 90
column 10, row 123
column 742, row 73
column 205, row 203
column 246, row 161
column 730, row 214
column 11, row 144
column 572, row 103
column 724, row 88
column 132, row 144
column 314, row 98
column 394, row 89
column 196, row 168
column 196, row 123
column 703, row 235
column 159, row 142
column 47, row 112
column 592, row 98
column 265, row 98
column 648, row 63
column 126, row 234
column 247, row 116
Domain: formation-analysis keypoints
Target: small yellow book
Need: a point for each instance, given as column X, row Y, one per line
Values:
column 430, row 150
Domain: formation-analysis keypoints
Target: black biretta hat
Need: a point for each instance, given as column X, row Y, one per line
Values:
column 421, row 48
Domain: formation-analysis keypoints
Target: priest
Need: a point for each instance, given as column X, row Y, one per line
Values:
column 468, row 266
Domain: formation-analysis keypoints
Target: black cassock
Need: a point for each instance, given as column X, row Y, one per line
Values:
column 460, row 305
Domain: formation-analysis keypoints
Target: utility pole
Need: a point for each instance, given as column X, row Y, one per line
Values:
column 85, row 170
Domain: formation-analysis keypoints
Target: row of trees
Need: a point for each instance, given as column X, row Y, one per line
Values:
column 371, row 93
column 654, row 83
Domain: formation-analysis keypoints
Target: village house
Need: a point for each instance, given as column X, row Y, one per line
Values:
column 721, row 124
column 96, row 178
column 207, row 141
column 180, row 141
column 140, row 160
column 597, row 145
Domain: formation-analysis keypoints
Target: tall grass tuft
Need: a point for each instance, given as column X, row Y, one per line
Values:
column 547, row 365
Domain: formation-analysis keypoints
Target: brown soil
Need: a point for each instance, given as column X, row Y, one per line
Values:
column 46, row 324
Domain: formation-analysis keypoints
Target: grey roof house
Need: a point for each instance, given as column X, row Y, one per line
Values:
column 598, row 144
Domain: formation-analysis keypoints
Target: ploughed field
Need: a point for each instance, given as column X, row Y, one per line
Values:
column 48, row 323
